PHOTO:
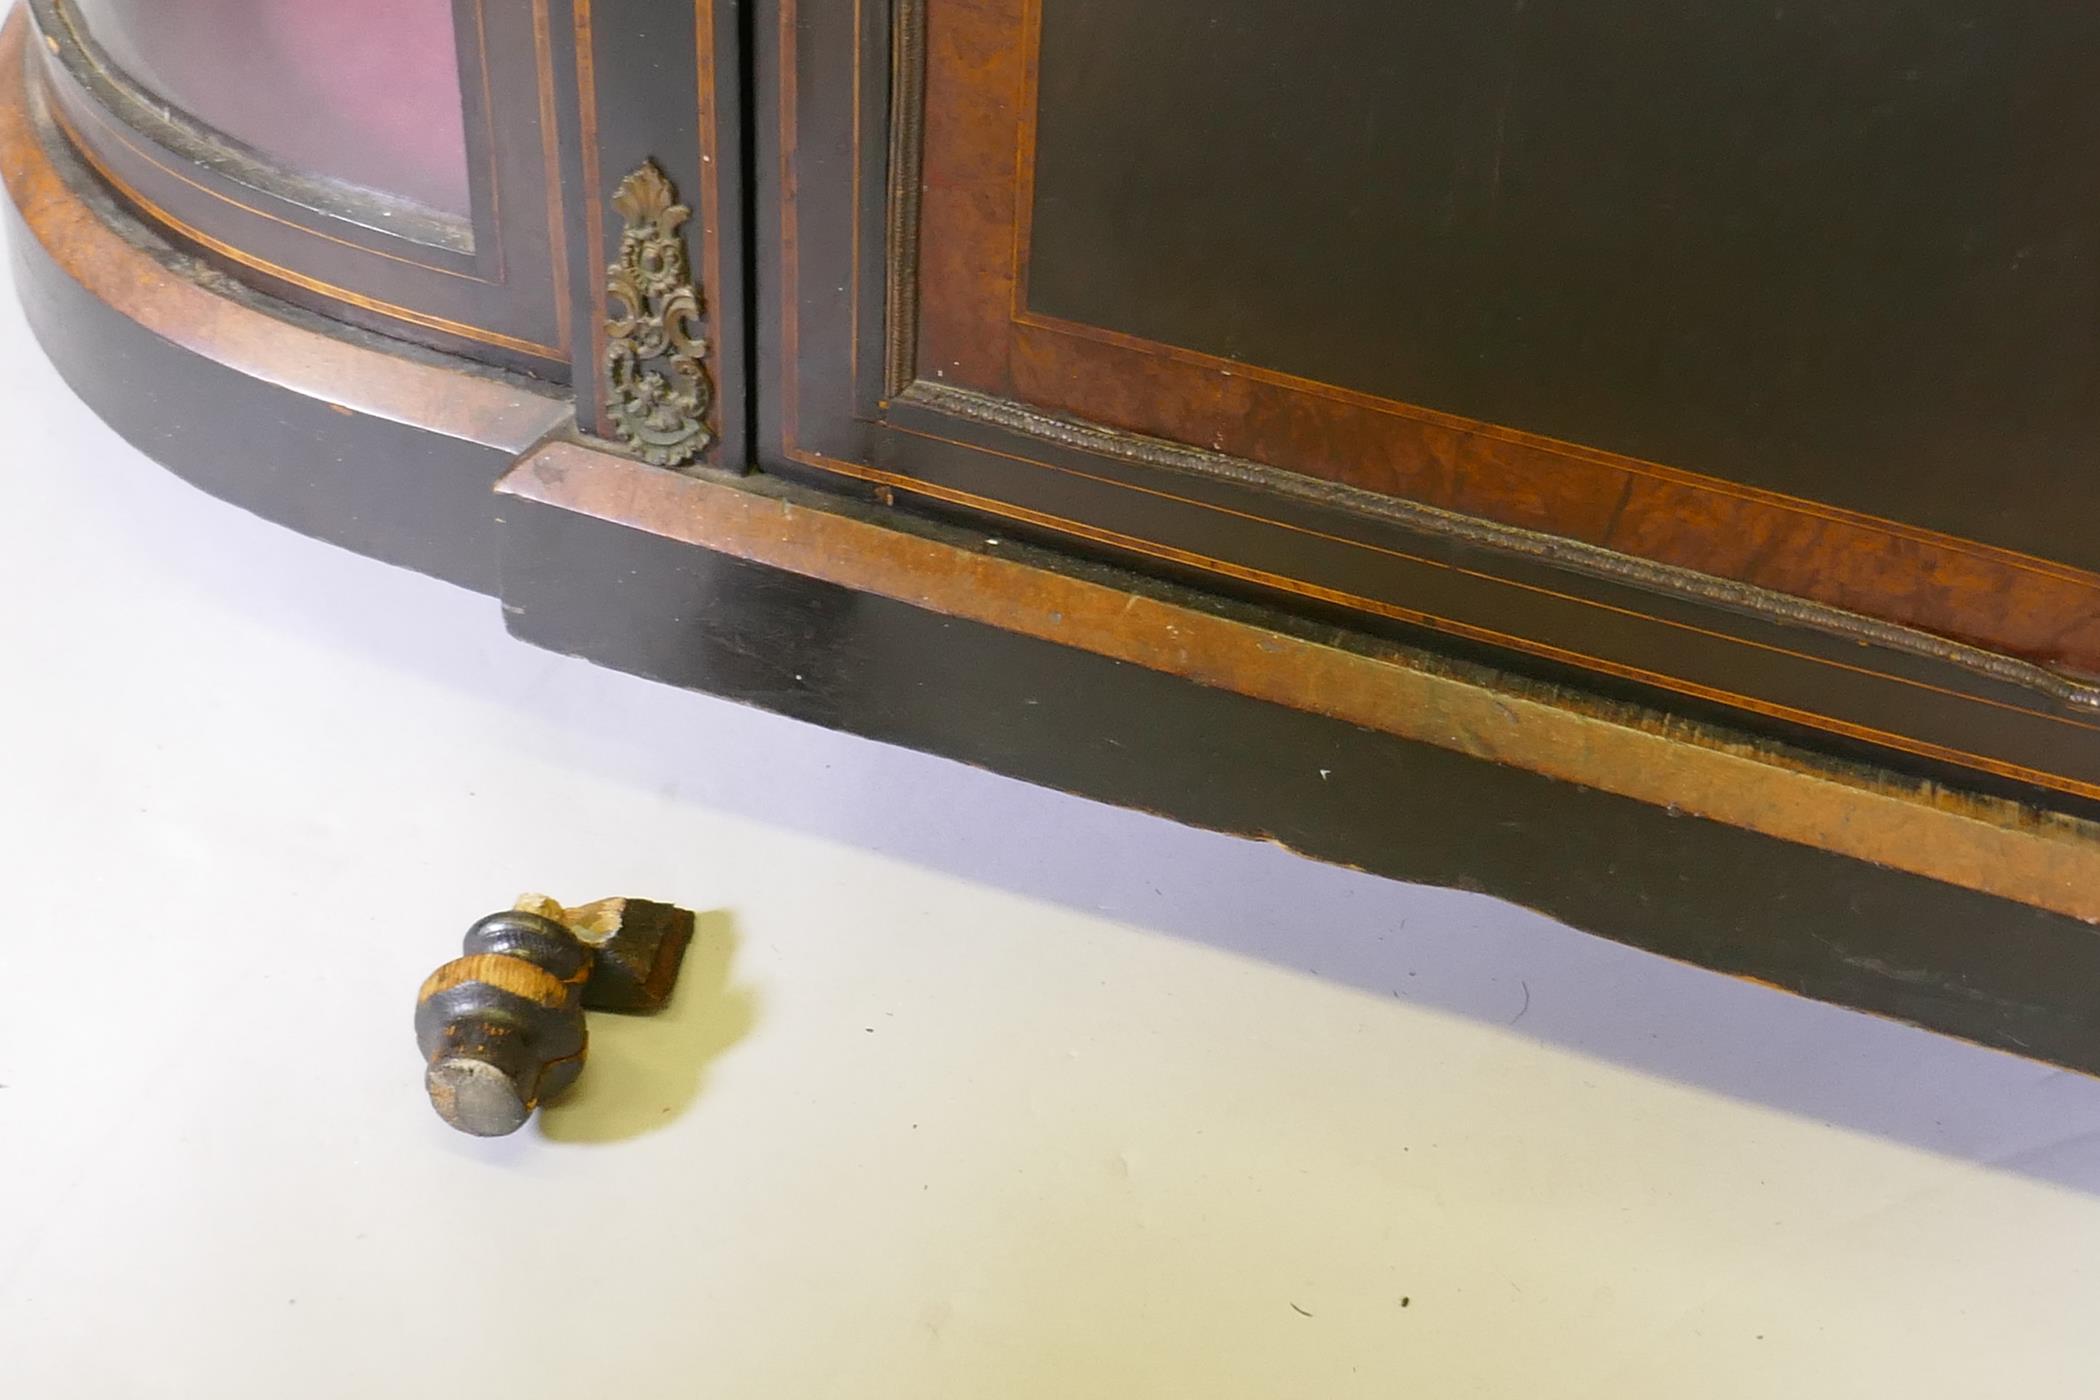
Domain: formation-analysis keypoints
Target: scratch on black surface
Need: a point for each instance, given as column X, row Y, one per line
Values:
column 1525, row 1007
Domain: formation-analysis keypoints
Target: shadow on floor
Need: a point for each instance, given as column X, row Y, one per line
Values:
column 644, row 1072
column 1462, row 954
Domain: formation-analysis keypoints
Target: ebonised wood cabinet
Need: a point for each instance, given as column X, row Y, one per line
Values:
column 1631, row 459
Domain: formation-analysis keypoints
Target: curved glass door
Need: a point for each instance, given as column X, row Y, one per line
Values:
column 391, row 163
column 359, row 92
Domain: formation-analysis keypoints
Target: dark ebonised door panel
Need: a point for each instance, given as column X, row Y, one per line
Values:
column 1843, row 250
column 1741, row 358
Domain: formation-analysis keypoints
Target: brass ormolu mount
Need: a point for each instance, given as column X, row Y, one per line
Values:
column 659, row 395
column 502, row 1028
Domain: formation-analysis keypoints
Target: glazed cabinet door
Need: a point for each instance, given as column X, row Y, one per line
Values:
column 395, row 164
column 1736, row 358
column 441, row 171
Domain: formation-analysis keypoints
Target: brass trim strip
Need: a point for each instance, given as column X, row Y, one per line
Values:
column 707, row 121
column 907, row 151
column 550, row 155
column 492, row 172
column 590, row 381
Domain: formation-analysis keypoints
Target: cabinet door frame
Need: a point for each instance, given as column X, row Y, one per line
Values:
column 868, row 112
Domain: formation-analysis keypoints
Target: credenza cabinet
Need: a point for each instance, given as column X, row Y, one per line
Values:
column 1629, row 458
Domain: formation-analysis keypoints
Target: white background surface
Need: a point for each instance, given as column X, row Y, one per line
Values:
column 971, row 1090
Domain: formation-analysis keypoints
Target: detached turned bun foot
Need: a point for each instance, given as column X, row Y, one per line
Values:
column 502, row 1028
